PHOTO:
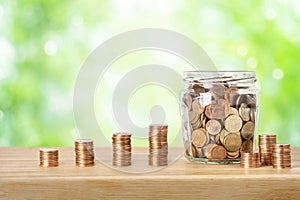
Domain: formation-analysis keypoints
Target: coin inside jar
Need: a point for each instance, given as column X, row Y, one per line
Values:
column 244, row 112
column 199, row 137
column 248, row 130
column 232, row 142
column 247, row 146
column 233, row 123
column 216, row 152
column 213, row 127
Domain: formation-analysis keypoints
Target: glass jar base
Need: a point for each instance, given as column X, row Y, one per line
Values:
column 213, row 161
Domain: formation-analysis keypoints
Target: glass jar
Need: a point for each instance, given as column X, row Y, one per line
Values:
column 219, row 112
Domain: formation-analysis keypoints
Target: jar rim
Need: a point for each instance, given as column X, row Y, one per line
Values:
column 220, row 76
column 220, row 71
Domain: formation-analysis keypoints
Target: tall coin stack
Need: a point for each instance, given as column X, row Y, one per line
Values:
column 121, row 149
column 48, row 157
column 249, row 160
column 281, row 156
column 84, row 151
column 158, row 145
column 265, row 142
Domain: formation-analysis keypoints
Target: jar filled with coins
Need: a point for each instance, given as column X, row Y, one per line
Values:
column 219, row 112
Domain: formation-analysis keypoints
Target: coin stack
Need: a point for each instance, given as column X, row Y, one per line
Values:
column 281, row 156
column 84, row 151
column 158, row 145
column 121, row 149
column 249, row 160
column 219, row 115
column 265, row 142
column 48, row 157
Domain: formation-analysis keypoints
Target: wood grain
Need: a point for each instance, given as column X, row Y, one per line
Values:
column 22, row 178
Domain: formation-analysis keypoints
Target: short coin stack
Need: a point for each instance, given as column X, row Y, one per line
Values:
column 265, row 142
column 158, row 145
column 121, row 149
column 249, row 160
column 48, row 157
column 84, row 151
column 281, row 156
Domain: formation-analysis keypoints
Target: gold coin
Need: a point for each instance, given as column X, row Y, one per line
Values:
column 193, row 116
column 232, row 142
column 223, row 134
column 244, row 112
column 197, row 124
column 233, row 123
column 217, row 139
column 196, row 107
column 217, row 152
column 248, row 130
column 199, row 137
column 233, row 111
column 233, row 154
column 208, row 110
column 213, row 127
column 247, row 146
column 207, row 149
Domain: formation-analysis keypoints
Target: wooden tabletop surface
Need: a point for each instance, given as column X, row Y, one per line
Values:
column 22, row 178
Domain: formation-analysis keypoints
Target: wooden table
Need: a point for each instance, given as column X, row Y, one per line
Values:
column 22, row 178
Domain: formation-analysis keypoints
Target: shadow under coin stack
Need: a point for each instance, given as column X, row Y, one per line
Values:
column 158, row 145
column 265, row 142
column 48, row 157
column 281, row 156
column 84, row 151
column 249, row 160
column 121, row 149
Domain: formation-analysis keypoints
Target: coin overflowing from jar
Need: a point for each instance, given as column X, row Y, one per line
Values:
column 265, row 142
column 121, row 143
column 158, row 145
column 221, row 120
column 281, row 156
column 249, row 160
column 49, row 157
column 84, row 152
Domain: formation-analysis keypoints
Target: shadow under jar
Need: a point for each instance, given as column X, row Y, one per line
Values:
column 219, row 112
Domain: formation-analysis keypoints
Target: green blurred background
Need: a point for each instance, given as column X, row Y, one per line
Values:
column 44, row 43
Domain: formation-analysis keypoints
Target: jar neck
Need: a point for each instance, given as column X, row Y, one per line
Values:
column 241, row 78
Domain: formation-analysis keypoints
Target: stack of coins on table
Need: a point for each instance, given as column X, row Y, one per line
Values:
column 48, row 157
column 158, row 145
column 265, row 142
column 84, row 151
column 249, row 160
column 121, row 149
column 281, row 156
